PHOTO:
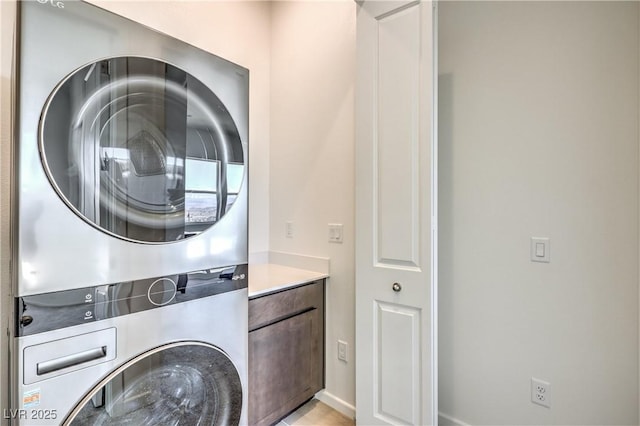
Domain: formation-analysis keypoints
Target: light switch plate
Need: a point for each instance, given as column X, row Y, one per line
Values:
column 540, row 249
column 335, row 233
column 342, row 350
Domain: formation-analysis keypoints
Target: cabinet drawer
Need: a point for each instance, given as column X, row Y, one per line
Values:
column 268, row 309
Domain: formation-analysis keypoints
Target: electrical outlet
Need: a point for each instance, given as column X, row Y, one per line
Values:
column 289, row 229
column 541, row 392
column 342, row 350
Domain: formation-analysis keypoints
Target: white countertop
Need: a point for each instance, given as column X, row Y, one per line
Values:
column 268, row 278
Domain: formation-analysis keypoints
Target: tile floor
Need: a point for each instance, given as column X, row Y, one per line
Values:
column 316, row 413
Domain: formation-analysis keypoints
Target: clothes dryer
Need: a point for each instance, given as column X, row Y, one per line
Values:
column 132, row 152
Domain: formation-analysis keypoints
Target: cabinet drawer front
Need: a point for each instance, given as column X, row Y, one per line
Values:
column 275, row 307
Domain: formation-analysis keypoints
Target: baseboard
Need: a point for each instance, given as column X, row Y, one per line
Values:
column 301, row 261
column 337, row 404
column 447, row 420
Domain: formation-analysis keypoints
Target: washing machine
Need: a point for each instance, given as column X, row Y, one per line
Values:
column 131, row 151
column 144, row 352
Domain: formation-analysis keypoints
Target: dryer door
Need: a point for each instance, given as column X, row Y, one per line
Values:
column 185, row 383
column 141, row 149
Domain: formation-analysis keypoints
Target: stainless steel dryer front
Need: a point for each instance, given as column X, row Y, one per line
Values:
column 132, row 152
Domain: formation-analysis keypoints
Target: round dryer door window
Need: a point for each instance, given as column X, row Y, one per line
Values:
column 179, row 384
column 141, row 149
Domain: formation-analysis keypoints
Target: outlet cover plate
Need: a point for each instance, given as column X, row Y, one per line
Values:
column 541, row 392
column 342, row 350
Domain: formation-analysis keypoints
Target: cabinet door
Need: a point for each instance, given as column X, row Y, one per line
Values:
column 285, row 366
column 395, row 214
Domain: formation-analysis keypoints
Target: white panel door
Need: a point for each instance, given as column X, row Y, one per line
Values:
column 395, row 214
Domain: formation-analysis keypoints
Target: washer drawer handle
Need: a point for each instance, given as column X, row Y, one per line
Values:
column 70, row 360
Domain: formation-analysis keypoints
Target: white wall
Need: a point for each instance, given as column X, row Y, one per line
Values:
column 240, row 32
column 539, row 137
column 312, row 177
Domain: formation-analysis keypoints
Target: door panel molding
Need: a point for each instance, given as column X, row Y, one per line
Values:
column 396, row 138
column 397, row 349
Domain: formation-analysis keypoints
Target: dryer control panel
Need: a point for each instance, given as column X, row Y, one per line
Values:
column 51, row 311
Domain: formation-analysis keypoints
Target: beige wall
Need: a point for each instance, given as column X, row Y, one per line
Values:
column 539, row 137
column 312, row 144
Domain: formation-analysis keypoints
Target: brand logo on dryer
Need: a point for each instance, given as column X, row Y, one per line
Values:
column 53, row 3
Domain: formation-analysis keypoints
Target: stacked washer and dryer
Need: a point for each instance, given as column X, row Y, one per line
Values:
column 131, row 225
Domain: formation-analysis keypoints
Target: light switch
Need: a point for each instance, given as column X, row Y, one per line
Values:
column 540, row 249
column 335, row 233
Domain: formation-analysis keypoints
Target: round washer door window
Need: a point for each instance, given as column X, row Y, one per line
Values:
column 179, row 384
column 141, row 149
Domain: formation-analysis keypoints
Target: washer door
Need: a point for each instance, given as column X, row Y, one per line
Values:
column 141, row 149
column 185, row 383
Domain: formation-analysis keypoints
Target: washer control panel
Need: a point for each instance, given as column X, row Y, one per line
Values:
column 51, row 311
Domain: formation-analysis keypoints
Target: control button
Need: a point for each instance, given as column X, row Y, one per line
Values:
column 88, row 298
column 88, row 315
column 162, row 291
column 539, row 250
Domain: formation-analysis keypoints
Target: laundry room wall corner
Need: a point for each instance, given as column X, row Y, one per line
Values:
column 312, row 158
column 7, row 23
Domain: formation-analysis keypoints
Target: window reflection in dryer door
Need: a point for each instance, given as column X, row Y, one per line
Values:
column 141, row 149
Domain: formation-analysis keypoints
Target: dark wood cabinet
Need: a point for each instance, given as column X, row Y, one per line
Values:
column 286, row 351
